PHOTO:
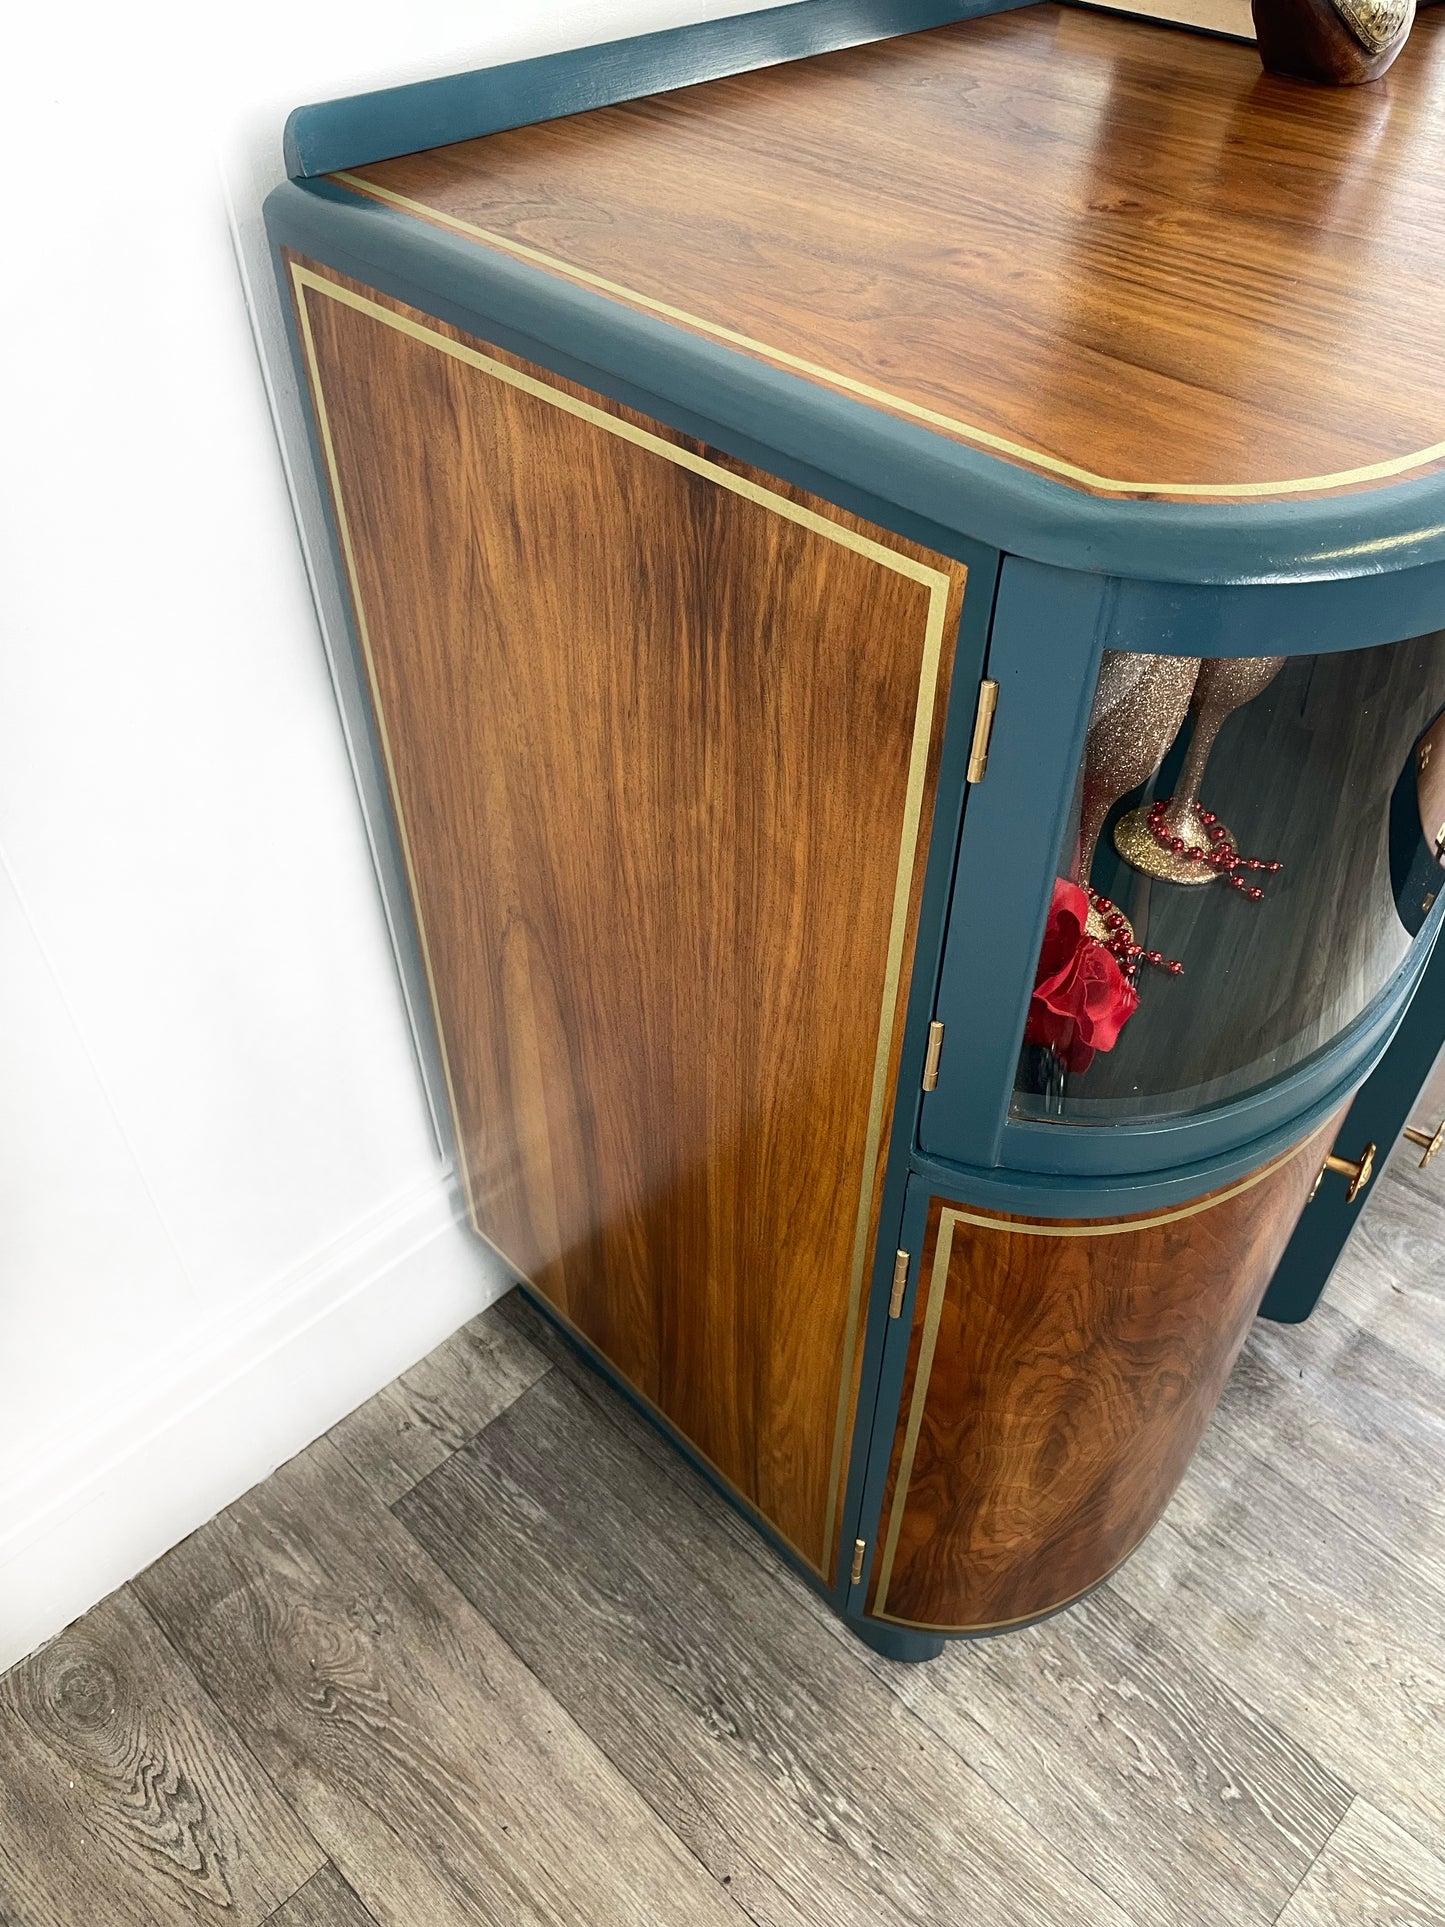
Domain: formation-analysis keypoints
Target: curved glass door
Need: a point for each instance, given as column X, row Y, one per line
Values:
column 1247, row 864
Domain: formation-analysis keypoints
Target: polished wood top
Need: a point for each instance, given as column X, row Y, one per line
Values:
column 1108, row 251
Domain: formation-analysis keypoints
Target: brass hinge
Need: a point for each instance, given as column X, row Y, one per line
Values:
column 982, row 730
column 900, row 1284
column 860, row 1546
column 935, row 1051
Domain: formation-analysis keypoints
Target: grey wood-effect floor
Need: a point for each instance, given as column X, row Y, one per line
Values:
column 491, row 1653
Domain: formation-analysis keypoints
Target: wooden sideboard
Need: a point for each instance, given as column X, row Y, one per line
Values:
column 737, row 448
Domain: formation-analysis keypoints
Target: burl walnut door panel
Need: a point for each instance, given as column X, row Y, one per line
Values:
column 662, row 735
column 1059, row 1378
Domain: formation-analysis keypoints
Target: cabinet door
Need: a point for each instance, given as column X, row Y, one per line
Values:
column 662, row 735
column 1059, row 1376
column 1221, row 989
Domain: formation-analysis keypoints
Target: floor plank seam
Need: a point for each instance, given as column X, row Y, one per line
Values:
column 363, row 1913
column 470, row 1440
column 601, row 1396
column 709, row 1505
column 566, row 1713
column 142, row 1785
column 1151, row 1751
column 1030, row 1826
column 1293, row 1894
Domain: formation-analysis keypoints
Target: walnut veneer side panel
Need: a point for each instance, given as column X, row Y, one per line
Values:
column 662, row 735
column 1059, row 1378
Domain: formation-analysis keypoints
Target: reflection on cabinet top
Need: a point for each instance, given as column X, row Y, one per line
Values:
column 1109, row 252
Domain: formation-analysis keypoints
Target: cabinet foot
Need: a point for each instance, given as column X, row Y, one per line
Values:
column 897, row 1642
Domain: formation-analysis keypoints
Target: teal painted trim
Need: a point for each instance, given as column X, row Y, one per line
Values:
column 336, row 621
column 875, row 1450
column 1379, row 1114
column 1383, row 536
column 948, row 816
column 1107, row 1149
column 1353, row 612
column 1130, row 1190
column 854, row 495
column 1063, row 654
column 1044, row 655
column 336, row 134
column 1126, row 1171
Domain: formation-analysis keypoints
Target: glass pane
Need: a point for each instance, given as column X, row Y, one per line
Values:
column 1258, row 822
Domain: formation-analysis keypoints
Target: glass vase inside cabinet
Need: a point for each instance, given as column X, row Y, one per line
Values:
column 1254, row 846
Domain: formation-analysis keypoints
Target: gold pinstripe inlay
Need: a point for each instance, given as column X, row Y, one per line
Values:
column 949, row 1218
column 933, row 417
column 1020, row 1619
column 939, row 587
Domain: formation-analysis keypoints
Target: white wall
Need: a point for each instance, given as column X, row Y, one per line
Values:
column 223, row 1217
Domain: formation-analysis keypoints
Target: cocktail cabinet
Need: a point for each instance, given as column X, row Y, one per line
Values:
column 896, row 638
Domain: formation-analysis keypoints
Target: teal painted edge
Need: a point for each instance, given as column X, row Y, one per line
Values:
column 1283, row 558
column 1160, row 1143
column 760, row 452
column 951, row 802
column 330, row 135
column 305, row 218
column 891, row 1359
column 1342, row 612
column 1043, row 654
column 898, row 1643
column 1067, row 1195
column 1060, row 640
column 1379, row 1114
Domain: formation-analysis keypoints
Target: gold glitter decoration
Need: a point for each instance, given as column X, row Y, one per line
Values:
column 1138, row 707
column 1137, row 844
column 1224, row 684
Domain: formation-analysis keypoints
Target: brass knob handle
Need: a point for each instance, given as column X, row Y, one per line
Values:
column 1359, row 1172
column 1430, row 1145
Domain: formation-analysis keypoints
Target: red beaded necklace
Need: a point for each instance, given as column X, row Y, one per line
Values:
column 1223, row 856
column 1119, row 940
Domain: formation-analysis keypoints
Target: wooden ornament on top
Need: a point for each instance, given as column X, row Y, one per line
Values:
column 1336, row 42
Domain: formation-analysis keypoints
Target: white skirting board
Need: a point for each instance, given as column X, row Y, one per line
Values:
column 265, row 1379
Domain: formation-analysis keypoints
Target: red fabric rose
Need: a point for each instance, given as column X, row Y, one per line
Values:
column 1082, row 999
